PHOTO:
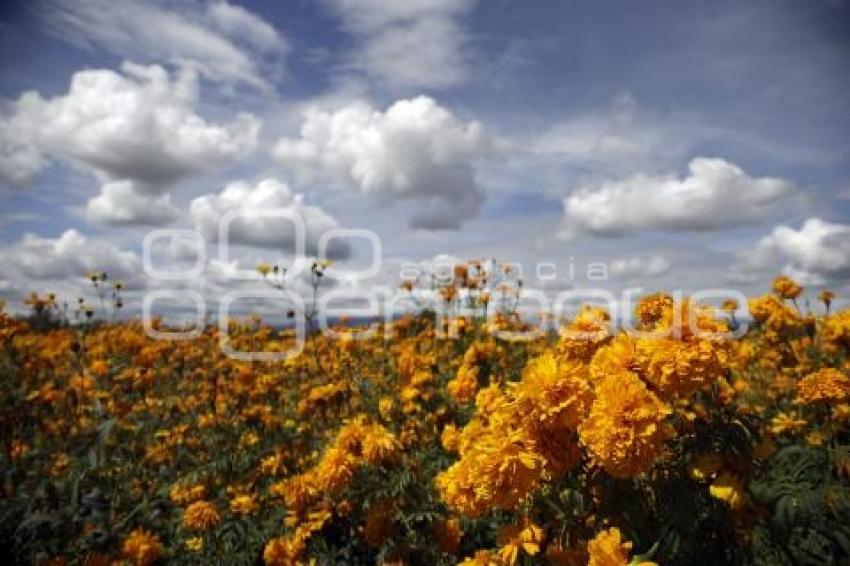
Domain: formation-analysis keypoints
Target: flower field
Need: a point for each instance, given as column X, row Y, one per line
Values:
column 670, row 445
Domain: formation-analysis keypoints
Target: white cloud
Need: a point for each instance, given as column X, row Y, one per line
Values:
column 237, row 22
column 618, row 138
column 121, row 202
column 40, row 264
column 411, row 44
column 225, row 42
column 816, row 254
column 253, row 226
column 635, row 267
column 20, row 159
column 138, row 128
column 716, row 194
column 415, row 150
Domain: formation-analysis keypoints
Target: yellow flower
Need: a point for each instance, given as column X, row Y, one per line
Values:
column 264, row 269
column 250, row 438
column 786, row 287
column 385, row 408
column 450, row 438
column 141, row 547
column 609, row 549
column 828, row 385
column 553, row 393
column 195, row 544
column 243, row 504
column 785, row 422
column 379, row 445
column 728, row 488
column 271, row 464
column 651, row 308
column 465, row 384
column 201, row 516
column 841, row 413
column 183, row 494
column 282, row 551
column 625, row 431
column 526, row 537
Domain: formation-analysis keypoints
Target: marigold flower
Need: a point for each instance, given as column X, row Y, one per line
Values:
column 243, row 504
column 553, row 393
column 827, row 385
column 282, row 551
column 450, row 438
column 465, row 384
column 625, row 431
column 201, row 516
column 609, row 549
column 651, row 308
column 141, row 547
column 525, row 537
column 786, row 288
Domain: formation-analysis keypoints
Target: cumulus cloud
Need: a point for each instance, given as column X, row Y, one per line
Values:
column 415, row 150
column 716, row 194
column 634, row 267
column 616, row 139
column 251, row 223
column 136, row 130
column 816, row 254
column 391, row 36
column 225, row 42
column 36, row 263
column 20, row 159
column 121, row 202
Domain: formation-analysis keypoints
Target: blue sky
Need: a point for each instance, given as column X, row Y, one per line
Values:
column 683, row 144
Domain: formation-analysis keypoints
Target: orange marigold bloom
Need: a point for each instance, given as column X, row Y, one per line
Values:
column 465, row 384
column 587, row 332
column 335, row 469
column 625, row 431
column 553, row 393
column 786, row 287
column 785, row 422
column 450, row 438
column 243, row 504
column 201, row 516
column 609, row 549
column 282, row 551
column 499, row 470
column 526, row 537
column 141, row 547
column 379, row 445
column 650, row 309
column 828, row 385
